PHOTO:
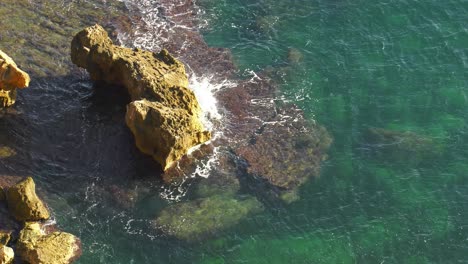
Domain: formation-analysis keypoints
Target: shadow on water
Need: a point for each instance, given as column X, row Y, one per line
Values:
column 67, row 130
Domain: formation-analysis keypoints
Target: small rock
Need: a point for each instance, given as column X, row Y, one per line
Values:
column 11, row 77
column 24, row 204
column 6, row 152
column 36, row 247
column 6, row 255
column 5, row 237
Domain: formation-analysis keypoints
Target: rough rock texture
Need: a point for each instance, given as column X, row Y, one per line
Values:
column 6, row 255
column 165, row 133
column 203, row 217
column 23, row 202
column 34, row 246
column 5, row 237
column 11, row 78
column 165, row 115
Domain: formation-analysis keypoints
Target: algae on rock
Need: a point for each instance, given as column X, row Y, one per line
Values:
column 204, row 217
column 164, row 115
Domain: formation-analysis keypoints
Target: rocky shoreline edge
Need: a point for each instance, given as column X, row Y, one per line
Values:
column 26, row 232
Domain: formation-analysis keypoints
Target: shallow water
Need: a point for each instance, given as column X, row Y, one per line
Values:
column 398, row 65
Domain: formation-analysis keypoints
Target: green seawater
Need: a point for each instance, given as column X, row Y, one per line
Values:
column 398, row 65
column 359, row 65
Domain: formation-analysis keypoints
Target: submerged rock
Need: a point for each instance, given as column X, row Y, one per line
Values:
column 405, row 146
column 11, row 78
column 6, row 152
column 165, row 115
column 204, row 217
column 35, row 246
column 6, row 255
column 23, row 202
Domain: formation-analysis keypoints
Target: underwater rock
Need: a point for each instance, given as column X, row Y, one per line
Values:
column 11, row 78
column 23, row 202
column 6, row 152
column 35, row 246
column 204, row 217
column 6, row 255
column 165, row 115
column 404, row 146
column 283, row 155
column 266, row 24
column 222, row 179
column 295, row 56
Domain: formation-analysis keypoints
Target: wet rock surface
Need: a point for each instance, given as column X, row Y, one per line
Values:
column 23, row 202
column 262, row 136
column 164, row 115
column 22, row 227
column 36, row 246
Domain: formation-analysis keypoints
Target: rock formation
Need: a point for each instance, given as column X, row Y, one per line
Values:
column 11, row 78
column 6, row 254
column 24, row 204
column 37, row 243
column 35, row 246
column 164, row 115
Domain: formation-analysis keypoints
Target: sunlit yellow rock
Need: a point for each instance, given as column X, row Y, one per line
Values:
column 11, row 78
column 6, row 255
column 24, row 204
column 6, row 152
column 165, row 115
column 36, row 247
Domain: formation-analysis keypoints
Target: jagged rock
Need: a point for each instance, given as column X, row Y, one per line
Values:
column 11, row 78
column 204, row 217
column 165, row 115
column 165, row 133
column 23, row 202
column 5, row 237
column 35, row 246
column 7, row 181
column 6, row 255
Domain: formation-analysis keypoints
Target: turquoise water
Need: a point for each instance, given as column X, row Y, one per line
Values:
column 396, row 65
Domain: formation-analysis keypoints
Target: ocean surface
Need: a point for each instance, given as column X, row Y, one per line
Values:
column 395, row 70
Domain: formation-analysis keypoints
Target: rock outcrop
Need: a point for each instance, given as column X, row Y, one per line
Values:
column 6, row 255
column 11, row 78
column 164, row 115
column 38, row 242
column 35, row 246
column 23, row 202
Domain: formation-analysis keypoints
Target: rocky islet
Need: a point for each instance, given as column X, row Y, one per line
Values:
column 254, row 119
